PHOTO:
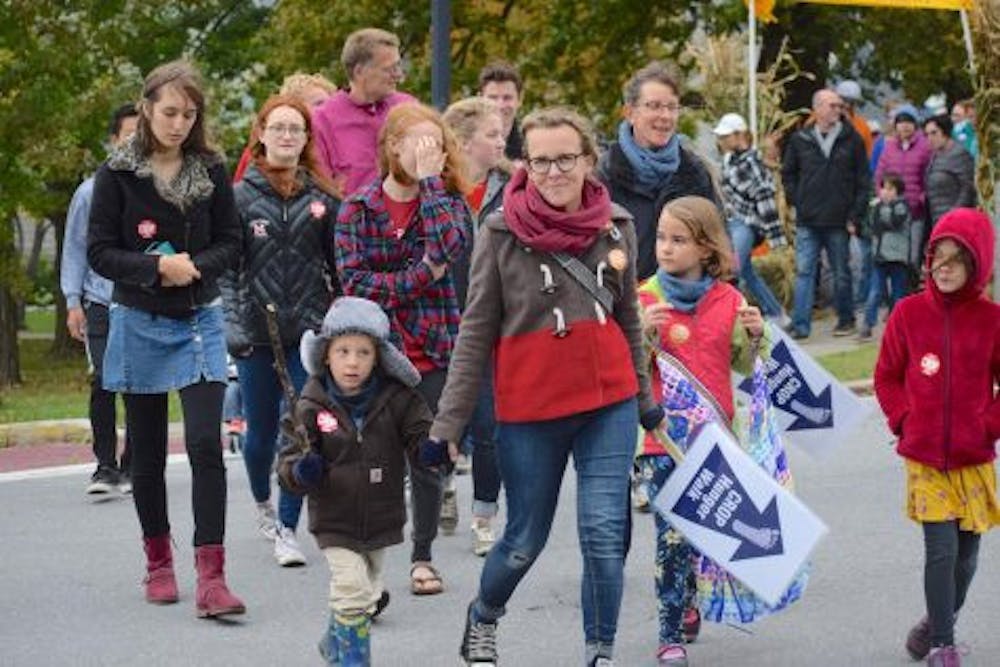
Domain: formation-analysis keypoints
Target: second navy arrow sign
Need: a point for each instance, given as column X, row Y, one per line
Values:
column 737, row 515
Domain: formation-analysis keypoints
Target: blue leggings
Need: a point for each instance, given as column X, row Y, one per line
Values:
column 263, row 404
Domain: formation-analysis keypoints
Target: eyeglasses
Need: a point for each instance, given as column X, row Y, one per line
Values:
column 293, row 131
column 564, row 163
column 660, row 107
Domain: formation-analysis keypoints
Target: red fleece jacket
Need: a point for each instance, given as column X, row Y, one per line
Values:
column 940, row 360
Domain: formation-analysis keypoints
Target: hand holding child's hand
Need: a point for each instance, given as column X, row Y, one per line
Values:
column 752, row 321
column 308, row 471
column 657, row 314
column 433, row 452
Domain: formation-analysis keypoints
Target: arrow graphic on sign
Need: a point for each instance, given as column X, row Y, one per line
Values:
column 792, row 394
column 717, row 500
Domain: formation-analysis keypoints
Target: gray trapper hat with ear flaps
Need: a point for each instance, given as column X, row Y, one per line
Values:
column 353, row 315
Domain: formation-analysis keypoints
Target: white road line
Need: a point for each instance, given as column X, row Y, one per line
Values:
column 83, row 469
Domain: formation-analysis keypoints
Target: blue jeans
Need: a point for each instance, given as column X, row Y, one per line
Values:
column 263, row 404
column 898, row 276
column 480, row 436
column 864, row 282
column 742, row 236
column 808, row 242
column 532, row 458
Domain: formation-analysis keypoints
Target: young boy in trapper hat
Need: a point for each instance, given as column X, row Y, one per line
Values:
column 362, row 418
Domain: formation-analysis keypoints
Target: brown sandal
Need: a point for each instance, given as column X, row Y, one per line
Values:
column 425, row 584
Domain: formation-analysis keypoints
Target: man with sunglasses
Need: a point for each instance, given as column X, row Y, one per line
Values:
column 348, row 123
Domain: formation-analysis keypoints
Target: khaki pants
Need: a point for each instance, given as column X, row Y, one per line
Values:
column 355, row 580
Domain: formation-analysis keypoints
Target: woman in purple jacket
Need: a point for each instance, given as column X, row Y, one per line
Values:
column 908, row 154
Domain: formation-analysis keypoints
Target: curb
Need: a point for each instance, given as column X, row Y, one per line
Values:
column 64, row 431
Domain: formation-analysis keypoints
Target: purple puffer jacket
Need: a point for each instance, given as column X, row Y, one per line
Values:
column 910, row 163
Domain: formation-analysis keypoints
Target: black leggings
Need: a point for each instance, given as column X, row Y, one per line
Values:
column 951, row 556
column 146, row 418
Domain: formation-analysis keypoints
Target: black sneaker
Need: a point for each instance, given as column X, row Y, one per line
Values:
column 479, row 642
column 847, row 329
column 124, row 482
column 103, row 481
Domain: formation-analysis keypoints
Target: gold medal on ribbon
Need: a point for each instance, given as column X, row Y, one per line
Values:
column 617, row 259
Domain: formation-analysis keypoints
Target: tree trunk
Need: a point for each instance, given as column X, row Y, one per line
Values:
column 63, row 344
column 10, row 359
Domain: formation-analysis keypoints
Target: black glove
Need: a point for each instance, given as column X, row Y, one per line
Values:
column 651, row 418
column 432, row 453
column 308, row 471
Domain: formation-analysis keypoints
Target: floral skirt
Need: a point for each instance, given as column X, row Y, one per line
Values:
column 968, row 495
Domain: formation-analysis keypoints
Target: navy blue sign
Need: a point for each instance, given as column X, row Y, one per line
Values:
column 791, row 393
column 715, row 499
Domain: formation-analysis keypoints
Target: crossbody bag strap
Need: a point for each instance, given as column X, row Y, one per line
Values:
column 579, row 271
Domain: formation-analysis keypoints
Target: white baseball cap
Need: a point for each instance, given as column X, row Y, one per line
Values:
column 731, row 122
column 849, row 90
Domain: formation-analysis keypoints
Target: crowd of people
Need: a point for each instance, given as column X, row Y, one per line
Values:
column 478, row 285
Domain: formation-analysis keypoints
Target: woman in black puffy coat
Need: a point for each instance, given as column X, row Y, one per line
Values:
column 287, row 210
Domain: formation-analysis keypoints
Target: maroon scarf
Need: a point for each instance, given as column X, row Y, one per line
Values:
column 542, row 227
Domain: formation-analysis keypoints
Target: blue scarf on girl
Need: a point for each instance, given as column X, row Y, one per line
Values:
column 356, row 405
column 682, row 294
column 652, row 167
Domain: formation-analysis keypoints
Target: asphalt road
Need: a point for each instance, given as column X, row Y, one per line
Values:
column 71, row 569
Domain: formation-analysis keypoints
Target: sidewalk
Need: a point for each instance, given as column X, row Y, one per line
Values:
column 39, row 444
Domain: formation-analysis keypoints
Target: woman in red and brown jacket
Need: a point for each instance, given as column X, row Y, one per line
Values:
column 566, row 343
column 935, row 380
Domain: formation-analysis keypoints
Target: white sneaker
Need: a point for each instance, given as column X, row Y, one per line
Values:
column 482, row 536
column 267, row 521
column 286, row 548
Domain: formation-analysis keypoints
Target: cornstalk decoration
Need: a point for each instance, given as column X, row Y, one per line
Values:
column 984, row 19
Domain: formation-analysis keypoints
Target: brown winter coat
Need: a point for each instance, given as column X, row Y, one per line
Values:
column 359, row 504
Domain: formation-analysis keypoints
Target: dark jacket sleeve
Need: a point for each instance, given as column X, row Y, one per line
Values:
column 291, row 453
column 106, row 249
column 227, row 237
column 790, row 171
column 627, row 316
column 862, row 178
column 416, row 424
column 992, row 417
column 967, row 196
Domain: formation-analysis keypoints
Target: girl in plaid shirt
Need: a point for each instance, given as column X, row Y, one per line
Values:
column 395, row 241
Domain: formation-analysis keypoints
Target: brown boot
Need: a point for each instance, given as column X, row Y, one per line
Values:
column 161, row 586
column 212, row 596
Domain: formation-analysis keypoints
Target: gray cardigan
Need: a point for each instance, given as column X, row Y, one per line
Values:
column 951, row 181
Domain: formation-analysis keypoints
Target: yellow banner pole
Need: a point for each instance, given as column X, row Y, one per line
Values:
column 957, row 5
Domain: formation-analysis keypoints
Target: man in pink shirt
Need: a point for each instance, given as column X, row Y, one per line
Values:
column 347, row 124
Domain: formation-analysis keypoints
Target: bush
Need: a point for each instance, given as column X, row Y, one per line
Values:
column 43, row 285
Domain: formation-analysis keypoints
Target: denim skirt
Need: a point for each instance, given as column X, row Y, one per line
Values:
column 154, row 354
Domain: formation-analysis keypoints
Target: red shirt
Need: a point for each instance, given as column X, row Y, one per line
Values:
column 475, row 197
column 400, row 213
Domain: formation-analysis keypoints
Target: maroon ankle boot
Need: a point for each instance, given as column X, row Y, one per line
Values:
column 212, row 597
column 161, row 586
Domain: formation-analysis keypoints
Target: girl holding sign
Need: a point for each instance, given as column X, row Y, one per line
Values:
column 704, row 322
column 935, row 378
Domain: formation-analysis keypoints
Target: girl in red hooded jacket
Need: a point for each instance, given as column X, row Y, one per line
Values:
column 935, row 379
